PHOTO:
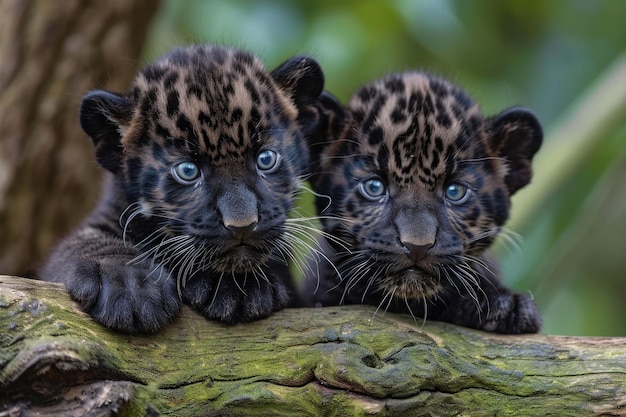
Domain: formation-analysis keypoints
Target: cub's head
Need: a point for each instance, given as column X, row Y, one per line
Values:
column 207, row 150
column 418, row 182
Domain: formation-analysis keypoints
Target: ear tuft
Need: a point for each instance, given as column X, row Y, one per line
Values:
column 102, row 115
column 516, row 135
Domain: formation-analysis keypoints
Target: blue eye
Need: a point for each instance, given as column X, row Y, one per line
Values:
column 267, row 161
column 186, row 172
column 372, row 189
column 457, row 193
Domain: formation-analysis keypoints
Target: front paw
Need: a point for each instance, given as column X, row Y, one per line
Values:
column 123, row 297
column 234, row 299
column 512, row 314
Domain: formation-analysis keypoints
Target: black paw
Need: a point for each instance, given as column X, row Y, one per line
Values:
column 235, row 299
column 126, row 298
column 512, row 314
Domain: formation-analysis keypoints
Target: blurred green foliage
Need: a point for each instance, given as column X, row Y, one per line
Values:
column 550, row 56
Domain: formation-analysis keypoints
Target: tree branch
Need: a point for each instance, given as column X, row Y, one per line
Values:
column 331, row 361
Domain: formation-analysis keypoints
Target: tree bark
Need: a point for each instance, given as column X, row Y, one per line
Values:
column 51, row 54
column 343, row 361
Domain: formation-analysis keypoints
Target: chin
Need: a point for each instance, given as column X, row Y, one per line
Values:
column 411, row 284
column 240, row 260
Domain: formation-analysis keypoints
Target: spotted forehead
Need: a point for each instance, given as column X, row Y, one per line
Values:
column 217, row 100
column 412, row 123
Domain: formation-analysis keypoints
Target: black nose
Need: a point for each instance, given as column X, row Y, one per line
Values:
column 416, row 252
column 242, row 232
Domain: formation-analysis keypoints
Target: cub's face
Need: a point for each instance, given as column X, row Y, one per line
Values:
column 418, row 183
column 208, row 148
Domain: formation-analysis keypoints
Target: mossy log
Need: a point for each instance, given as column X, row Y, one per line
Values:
column 343, row 361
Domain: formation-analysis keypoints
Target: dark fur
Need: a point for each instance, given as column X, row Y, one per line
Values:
column 418, row 247
column 218, row 238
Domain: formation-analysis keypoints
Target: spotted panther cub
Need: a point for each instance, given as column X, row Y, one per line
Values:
column 204, row 156
column 416, row 183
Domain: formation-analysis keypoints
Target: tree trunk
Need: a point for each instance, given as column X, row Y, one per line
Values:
column 51, row 54
column 307, row 362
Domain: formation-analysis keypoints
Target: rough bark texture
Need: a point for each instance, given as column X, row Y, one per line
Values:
column 51, row 54
column 54, row 360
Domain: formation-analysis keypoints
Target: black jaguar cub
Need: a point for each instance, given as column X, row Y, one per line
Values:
column 204, row 156
column 416, row 182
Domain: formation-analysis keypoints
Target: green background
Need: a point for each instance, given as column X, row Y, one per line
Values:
column 566, row 60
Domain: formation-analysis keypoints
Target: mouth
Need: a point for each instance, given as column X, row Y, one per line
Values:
column 241, row 247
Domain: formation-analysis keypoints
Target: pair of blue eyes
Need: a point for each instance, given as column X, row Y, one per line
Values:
column 188, row 172
column 374, row 189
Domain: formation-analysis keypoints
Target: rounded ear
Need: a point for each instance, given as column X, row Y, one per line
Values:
column 333, row 118
column 329, row 137
column 301, row 77
column 103, row 116
column 516, row 135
